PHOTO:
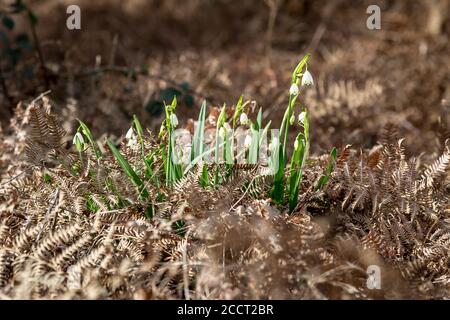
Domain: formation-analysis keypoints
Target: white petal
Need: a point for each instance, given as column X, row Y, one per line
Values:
column 307, row 79
column 78, row 138
column 294, row 90
column 243, row 118
column 130, row 133
column 301, row 117
column 173, row 120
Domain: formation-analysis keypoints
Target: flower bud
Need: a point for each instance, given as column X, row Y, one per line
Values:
column 78, row 141
column 292, row 119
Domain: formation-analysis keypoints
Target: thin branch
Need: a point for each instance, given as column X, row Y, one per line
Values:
column 39, row 53
column 5, row 90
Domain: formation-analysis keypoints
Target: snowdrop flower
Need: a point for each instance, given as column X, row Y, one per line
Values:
column 78, row 141
column 130, row 134
column 243, row 118
column 294, row 90
column 131, row 137
column 248, row 141
column 173, row 120
column 301, row 117
column 307, row 79
column 292, row 119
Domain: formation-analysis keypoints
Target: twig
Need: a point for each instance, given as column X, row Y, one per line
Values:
column 185, row 273
column 5, row 90
column 39, row 52
column 39, row 97
column 273, row 7
column 15, row 177
column 322, row 27
column 49, row 212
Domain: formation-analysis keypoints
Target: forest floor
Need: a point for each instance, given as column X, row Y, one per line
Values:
column 131, row 56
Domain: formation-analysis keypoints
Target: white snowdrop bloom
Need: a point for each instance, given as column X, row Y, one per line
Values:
column 292, row 119
column 248, row 141
column 78, row 141
column 301, row 117
column 130, row 134
column 131, row 137
column 294, row 90
column 307, row 79
column 243, row 118
column 173, row 120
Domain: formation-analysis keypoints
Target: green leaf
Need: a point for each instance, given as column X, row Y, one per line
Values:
column 296, row 171
column 87, row 133
column 197, row 142
column 143, row 193
column 204, row 179
column 328, row 170
column 238, row 110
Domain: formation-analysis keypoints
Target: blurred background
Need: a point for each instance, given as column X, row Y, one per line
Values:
column 132, row 55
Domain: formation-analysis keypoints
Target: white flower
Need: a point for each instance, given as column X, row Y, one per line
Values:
column 292, row 119
column 130, row 134
column 243, row 118
column 294, row 90
column 307, row 79
column 248, row 141
column 78, row 141
column 301, row 117
column 131, row 137
column 173, row 120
